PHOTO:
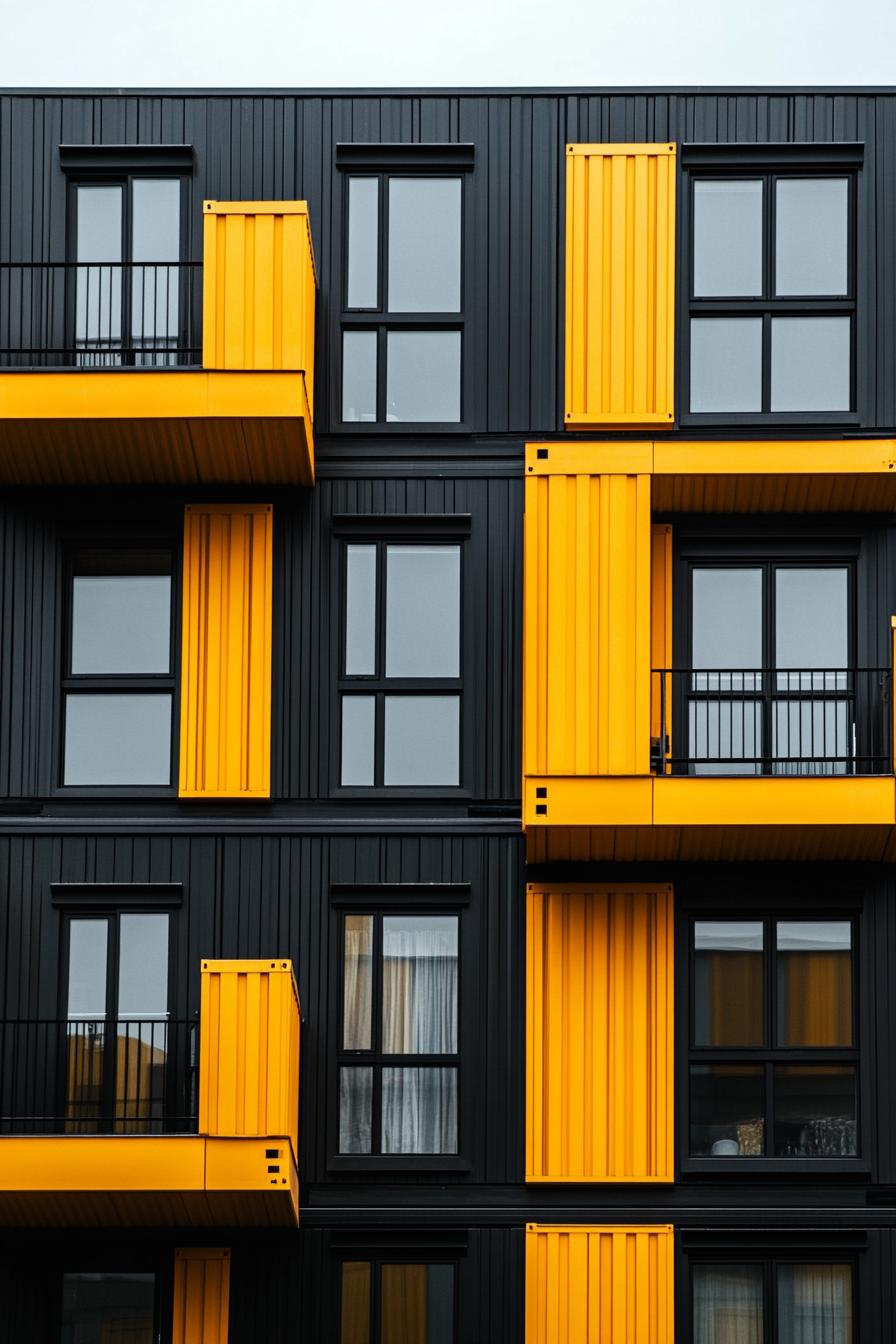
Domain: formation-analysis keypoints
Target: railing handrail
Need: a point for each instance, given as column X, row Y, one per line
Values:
column 73, row 265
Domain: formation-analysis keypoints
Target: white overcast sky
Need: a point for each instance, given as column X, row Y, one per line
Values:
column 401, row 43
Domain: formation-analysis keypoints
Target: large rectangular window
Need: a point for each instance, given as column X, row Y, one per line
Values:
column 401, row 682
column 771, row 295
column 400, row 1302
column 102, row 1308
column 118, row 682
column 402, row 320
column 773, row 1070
column 771, row 1302
column 398, row 1050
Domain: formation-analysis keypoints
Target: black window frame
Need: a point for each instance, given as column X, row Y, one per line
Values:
column 382, row 162
column 117, row 683
column 123, row 1261
column 773, row 901
column 769, row 1251
column 763, row 544
column 117, row 171
column 770, row 163
column 380, row 900
column 396, row 530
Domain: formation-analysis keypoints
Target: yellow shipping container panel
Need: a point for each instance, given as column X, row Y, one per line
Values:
column 201, row 1296
column 620, row 286
column 600, row 1285
column 249, row 1025
column 586, row 673
column 225, row 709
column 599, row 1033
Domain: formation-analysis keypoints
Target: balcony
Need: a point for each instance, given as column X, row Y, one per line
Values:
column 157, row 1121
column 160, row 373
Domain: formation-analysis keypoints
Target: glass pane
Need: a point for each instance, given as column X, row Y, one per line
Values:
column 355, row 1302
column 156, row 221
column 811, row 223
column 108, row 1308
column 355, row 1109
column 727, row 625
column 727, row 1110
column 357, row 1013
column 423, row 376
column 417, row 1304
column 117, row 739
column 810, row 364
column 87, row 952
column 728, row 987
column 812, row 737
column 419, row 1110
column 358, row 726
column 422, row 739
column 727, row 238
column 121, row 620
column 422, row 611
column 814, row 982
column 811, row 620
column 143, row 966
column 724, row 736
column 815, row 1110
column 815, row 1304
column 424, row 245
column 155, row 239
column 359, row 375
column 363, row 242
column 360, row 611
column 420, row 984
column 98, row 297
column 726, row 364
column 728, row 1304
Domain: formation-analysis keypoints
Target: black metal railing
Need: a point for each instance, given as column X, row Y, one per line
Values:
column 98, row 1076
column 773, row 721
column 100, row 315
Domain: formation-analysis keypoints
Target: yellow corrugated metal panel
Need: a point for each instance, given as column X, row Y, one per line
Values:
column 586, row 632
column 599, row 1033
column 600, row 1285
column 661, row 632
column 201, row 1296
column 620, row 285
column 225, row 705
column 259, row 287
column 249, row 1050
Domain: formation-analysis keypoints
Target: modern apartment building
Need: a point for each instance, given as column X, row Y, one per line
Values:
column 447, row 793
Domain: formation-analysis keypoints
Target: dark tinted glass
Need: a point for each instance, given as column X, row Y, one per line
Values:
column 417, row 1304
column 355, row 1302
column 728, row 983
column 815, row 1110
column 727, row 1109
column 98, row 1308
column 815, row 1304
column 728, row 1306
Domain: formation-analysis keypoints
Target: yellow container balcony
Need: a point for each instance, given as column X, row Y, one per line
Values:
column 157, row 1122
column 165, row 373
column 627, row 757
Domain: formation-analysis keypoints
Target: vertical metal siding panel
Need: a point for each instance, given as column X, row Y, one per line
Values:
column 620, row 285
column 587, row 625
column 592, row 1284
column 225, row 747
column 249, row 1034
column 599, row 1080
column 201, row 1296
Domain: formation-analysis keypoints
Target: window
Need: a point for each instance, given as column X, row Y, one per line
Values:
column 401, row 684
column 98, row 1308
column 118, row 683
column 771, row 310
column 402, row 321
column 398, row 1045
column 396, row 1303
column 773, row 1059
column 126, row 1060
column 770, row 683
column 131, row 292
column 772, row 1302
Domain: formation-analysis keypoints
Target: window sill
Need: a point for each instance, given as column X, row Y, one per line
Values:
column 800, row 1167
column 772, row 420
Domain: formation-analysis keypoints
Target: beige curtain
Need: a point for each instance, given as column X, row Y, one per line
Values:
column 815, row 1304
column 355, row 1302
column 728, row 1305
column 404, row 1304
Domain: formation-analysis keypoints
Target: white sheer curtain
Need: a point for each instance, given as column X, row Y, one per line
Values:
column 815, row 1304
column 728, row 1304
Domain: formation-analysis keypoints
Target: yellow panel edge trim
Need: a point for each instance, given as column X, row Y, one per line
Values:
column 662, row 147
